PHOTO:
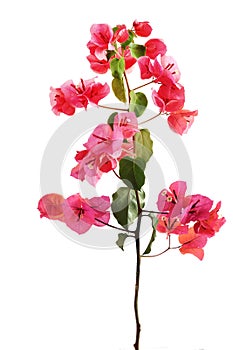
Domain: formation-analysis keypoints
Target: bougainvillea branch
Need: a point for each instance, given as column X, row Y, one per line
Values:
column 121, row 146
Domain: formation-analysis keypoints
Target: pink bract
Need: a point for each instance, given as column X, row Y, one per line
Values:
column 155, row 47
column 211, row 224
column 69, row 97
column 50, row 206
column 121, row 34
column 142, row 28
column 171, row 97
column 181, row 121
column 80, row 214
column 101, row 37
column 127, row 122
column 185, row 208
column 193, row 243
column 165, row 72
column 103, row 148
column 98, row 66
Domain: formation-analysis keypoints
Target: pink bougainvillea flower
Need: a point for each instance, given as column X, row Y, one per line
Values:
column 97, row 92
column 168, row 199
column 98, row 66
column 59, row 99
column 166, row 72
column 193, row 243
column 103, row 148
column 185, row 208
column 109, row 140
column 50, row 206
column 142, row 28
column 70, row 96
column 196, row 207
column 80, row 214
column 181, row 121
column 155, row 47
column 121, row 34
column 76, row 212
column 181, row 209
column 127, row 122
column 170, row 69
column 169, row 98
column 146, row 67
column 91, row 91
column 101, row 37
column 170, row 225
column 211, row 224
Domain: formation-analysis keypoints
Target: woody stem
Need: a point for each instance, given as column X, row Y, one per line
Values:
column 138, row 264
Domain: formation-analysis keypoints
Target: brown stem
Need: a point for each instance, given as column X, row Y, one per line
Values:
column 155, row 116
column 155, row 212
column 115, row 227
column 138, row 264
column 139, row 87
column 128, row 88
column 114, row 108
column 167, row 249
column 116, row 174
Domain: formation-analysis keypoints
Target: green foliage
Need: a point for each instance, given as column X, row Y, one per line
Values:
column 110, row 53
column 137, row 50
column 110, row 120
column 132, row 172
column 143, row 144
column 117, row 66
column 119, row 89
column 130, row 40
column 138, row 103
column 121, row 240
column 124, row 205
column 154, row 222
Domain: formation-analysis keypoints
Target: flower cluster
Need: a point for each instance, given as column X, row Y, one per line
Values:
column 183, row 210
column 76, row 212
column 105, row 147
column 108, row 43
column 70, row 96
column 104, row 44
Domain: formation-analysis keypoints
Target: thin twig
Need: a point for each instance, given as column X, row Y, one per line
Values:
column 115, row 227
column 116, row 174
column 139, row 87
column 127, row 84
column 155, row 212
column 138, row 264
column 148, row 120
column 114, row 108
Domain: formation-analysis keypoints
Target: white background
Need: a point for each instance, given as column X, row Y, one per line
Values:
column 56, row 294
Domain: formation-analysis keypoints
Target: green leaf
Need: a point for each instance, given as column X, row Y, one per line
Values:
column 119, row 89
column 128, row 41
column 124, row 205
column 110, row 53
column 154, row 219
column 111, row 119
column 138, row 103
column 143, row 144
column 132, row 172
column 117, row 66
column 114, row 29
column 137, row 50
column 121, row 240
column 154, row 222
